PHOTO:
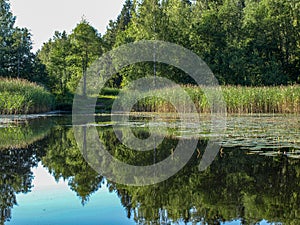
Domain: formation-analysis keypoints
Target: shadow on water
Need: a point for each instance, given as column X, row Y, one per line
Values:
column 239, row 185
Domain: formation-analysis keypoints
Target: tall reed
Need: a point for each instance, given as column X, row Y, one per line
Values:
column 19, row 96
column 238, row 99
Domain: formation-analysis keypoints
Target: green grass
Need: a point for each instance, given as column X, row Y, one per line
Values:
column 110, row 91
column 238, row 99
column 277, row 99
column 22, row 97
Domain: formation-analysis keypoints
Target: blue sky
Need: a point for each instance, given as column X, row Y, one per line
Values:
column 43, row 17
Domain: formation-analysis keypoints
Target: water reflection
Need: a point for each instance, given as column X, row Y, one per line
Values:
column 21, row 133
column 237, row 186
column 15, row 174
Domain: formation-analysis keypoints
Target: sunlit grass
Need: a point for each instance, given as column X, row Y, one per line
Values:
column 22, row 97
column 277, row 99
column 238, row 99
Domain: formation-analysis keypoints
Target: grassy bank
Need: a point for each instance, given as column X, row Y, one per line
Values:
column 22, row 97
column 277, row 99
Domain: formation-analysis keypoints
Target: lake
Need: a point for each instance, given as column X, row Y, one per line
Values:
column 254, row 178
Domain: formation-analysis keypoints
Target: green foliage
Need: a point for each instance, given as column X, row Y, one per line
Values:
column 67, row 58
column 20, row 96
column 16, row 58
column 110, row 91
column 244, row 42
column 116, row 27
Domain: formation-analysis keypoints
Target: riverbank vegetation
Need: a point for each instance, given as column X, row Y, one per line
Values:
column 23, row 97
column 238, row 99
column 244, row 42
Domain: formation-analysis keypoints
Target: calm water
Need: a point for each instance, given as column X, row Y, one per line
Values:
column 255, row 178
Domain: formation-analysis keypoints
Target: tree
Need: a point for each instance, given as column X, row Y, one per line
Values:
column 156, row 20
column 55, row 56
column 16, row 58
column 87, row 47
column 119, row 25
column 22, row 59
column 7, row 21
column 67, row 58
column 271, row 40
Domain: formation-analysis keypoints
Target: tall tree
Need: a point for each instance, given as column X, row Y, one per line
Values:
column 55, row 56
column 156, row 20
column 119, row 25
column 7, row 21
column 22, row 59
column 67, row 58
column 16, row 58
column 87, row 46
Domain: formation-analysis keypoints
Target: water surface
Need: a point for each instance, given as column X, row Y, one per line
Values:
column 254, row 178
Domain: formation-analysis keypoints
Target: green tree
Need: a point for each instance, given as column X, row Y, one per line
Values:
column 67, row 58
column 86, row 48
column 120, row 25
column 16, row 58
column 22, row 59
column 55, row 56
column 208, row 38
column 273, row 35
column 156, row 20
column 7, row 21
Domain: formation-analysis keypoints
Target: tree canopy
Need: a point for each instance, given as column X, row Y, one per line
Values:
column 16, row 58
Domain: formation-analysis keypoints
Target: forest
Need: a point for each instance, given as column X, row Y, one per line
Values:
column 244, row 42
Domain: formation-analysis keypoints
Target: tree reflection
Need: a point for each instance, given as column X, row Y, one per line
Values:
column 236, row 186
column 16, row 176
column 64, row 160
column 23, row 133
column 249, row 188
column 21, row 146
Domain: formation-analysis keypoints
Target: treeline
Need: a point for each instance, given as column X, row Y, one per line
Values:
column 245, row 42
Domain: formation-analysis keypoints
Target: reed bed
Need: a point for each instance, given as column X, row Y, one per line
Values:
column 238, row 99
column 19, row 96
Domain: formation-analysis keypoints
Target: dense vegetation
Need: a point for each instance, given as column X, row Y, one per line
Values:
column 238, row 99
column 245, row 42
column 21, row 96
